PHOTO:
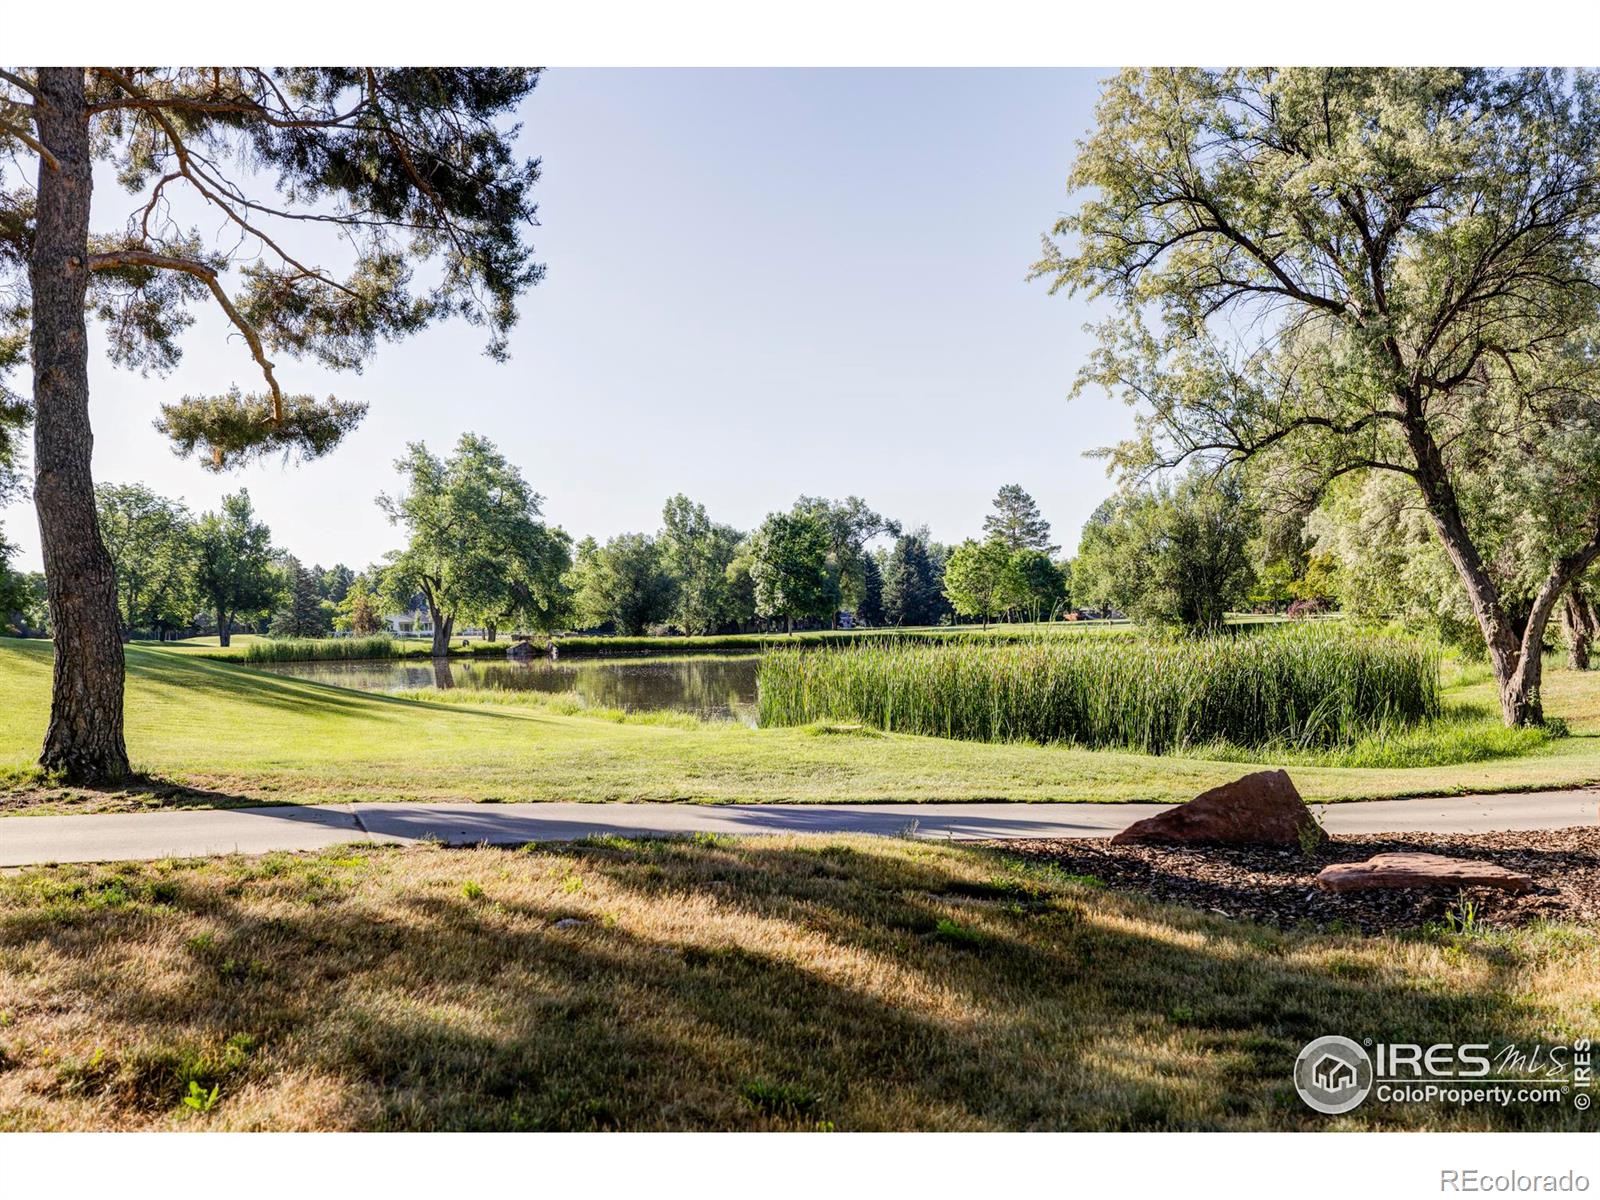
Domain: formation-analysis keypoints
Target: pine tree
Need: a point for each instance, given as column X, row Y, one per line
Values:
column 417, row 168
column 303, row 616
column 1016, row 521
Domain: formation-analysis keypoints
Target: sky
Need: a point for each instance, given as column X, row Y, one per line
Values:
column 760, row 284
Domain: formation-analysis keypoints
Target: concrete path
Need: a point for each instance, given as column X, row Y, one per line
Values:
column 194, row 832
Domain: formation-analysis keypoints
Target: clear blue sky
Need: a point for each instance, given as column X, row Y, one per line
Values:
column 760, row 284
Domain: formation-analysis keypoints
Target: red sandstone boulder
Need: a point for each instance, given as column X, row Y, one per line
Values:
column 1260, row 809
column 1387, row 871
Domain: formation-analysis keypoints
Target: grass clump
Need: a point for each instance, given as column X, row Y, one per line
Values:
column 1460, row 734
column 319, row 649
column 1302, row 687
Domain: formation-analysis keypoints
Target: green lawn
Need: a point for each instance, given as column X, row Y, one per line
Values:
column 246, row 735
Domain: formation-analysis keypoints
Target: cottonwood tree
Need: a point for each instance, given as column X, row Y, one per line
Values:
column 1017, row 522
column 1353, row 270
column 697, row 552
column 151, row 542
column 975, row 578
column 1033, row 584
column 1170, row 555
column 789, row 569
column 237, row 175
column 233, row 564
column 623, row 583
column 849, row 525
column 474, row 539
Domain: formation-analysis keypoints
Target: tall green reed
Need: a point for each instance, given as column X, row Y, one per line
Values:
column 1303, row 687
column 321, row 649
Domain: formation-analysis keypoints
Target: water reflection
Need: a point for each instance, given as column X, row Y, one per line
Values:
column 717, row 687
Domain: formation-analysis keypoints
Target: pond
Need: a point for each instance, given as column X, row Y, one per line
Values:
column 716, row 687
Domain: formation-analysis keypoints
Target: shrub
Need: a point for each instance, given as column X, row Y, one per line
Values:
column 1306, row 686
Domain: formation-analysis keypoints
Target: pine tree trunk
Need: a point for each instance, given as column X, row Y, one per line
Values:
column 84, row 740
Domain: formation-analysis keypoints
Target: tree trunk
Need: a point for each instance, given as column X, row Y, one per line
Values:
column 1580, row 623
column 490, row 632
column 224, row 628
column 84, row 740
column 1516, row 672
column 441, row 632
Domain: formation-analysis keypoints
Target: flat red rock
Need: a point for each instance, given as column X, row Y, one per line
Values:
column 1262, row 809
column 1393, row 871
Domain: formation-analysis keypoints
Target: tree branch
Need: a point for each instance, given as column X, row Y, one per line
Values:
column 117, row 259
column 32, row 143
column 17, row 81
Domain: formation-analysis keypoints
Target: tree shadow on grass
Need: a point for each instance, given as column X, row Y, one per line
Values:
column 138, row 793
column 243, row 684
column 836, row 985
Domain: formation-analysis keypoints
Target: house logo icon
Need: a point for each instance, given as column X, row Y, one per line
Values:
column 1333, row 1075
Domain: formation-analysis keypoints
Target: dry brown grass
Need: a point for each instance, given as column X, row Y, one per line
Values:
column 769, row 983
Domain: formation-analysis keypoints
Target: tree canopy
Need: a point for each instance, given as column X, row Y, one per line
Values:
column 696, row 553
column 975, row 578
column 1174, row 556
column 624, row 583
column 1336, row 271
column 789, row 568
column 849, row 525
column 234, row 572
column 151, row 542
column 1017, row 522
column 475, row 544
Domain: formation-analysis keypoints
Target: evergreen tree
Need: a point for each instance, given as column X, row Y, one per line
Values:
column 334, row 583
column 870, row 610
column 229, row 171
column 302, row 614
column 913, row 582
column 1017, row 523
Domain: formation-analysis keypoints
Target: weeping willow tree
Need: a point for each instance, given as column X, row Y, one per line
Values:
column 410, row 167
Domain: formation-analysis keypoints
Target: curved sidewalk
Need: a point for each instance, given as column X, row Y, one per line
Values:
column 189, row 833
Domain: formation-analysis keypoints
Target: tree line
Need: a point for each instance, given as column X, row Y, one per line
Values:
column 477, row 553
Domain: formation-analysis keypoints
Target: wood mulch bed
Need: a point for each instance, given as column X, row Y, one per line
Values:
column 1276, row 886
